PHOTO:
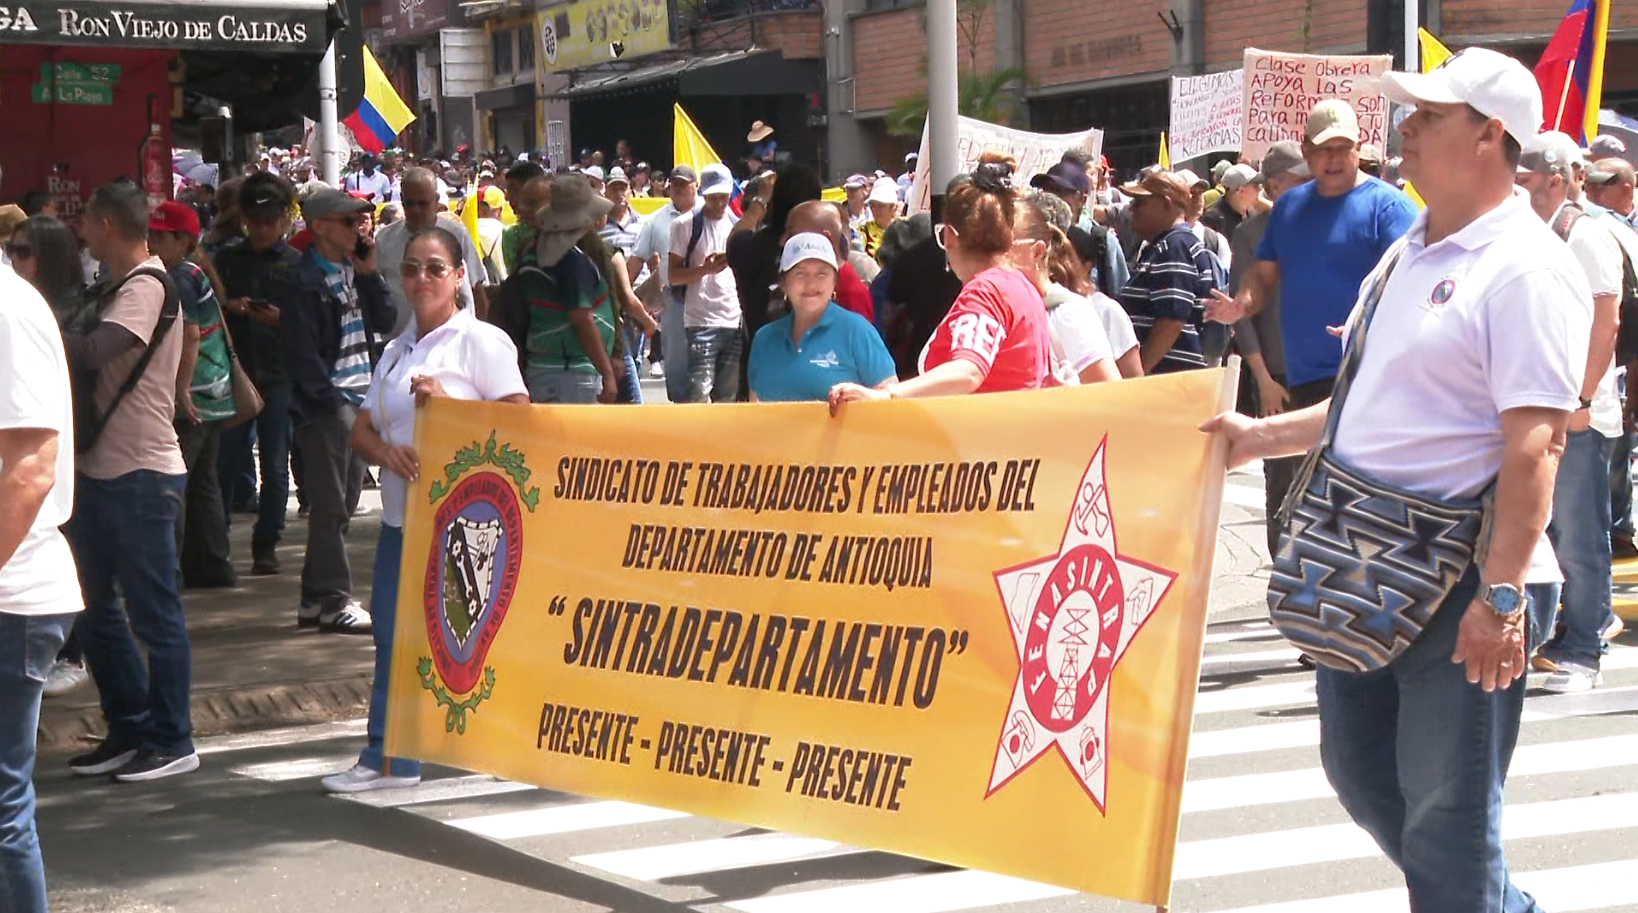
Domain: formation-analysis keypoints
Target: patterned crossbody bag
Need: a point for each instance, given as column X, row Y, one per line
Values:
column 1363, row 565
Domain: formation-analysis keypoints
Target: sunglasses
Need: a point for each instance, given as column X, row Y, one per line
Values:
column 20, row 251
column 352, row 221
column 434, row 269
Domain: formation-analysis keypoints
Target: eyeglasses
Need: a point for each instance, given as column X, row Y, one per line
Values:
column 940, row 229
column 20, row 251
column 352, row 221
column 436, row 269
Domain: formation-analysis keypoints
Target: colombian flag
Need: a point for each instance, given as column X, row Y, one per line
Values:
column 381, row 115
column 1571, row 70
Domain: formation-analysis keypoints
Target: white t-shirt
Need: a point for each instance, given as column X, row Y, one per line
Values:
column 39, row 578
column 1492, row 318
column 654, row 239
column 375, row 183
column 1599, row 254
column 1076, row 325
column 489, row 248
column 470, row 358
column 390, row 244
column 1215, row 242
column 713, row 301
column 1117, row 324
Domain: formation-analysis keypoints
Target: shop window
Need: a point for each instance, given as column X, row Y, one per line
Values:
column 500, row 52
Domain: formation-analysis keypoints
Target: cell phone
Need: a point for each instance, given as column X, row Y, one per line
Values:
column 361, row 249
column 260, row 303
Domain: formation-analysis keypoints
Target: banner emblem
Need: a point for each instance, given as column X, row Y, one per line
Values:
column 1072, row 616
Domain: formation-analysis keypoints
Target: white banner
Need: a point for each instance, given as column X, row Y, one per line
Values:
column 1206, row 114
column 1282, row 88
column 1035, row 152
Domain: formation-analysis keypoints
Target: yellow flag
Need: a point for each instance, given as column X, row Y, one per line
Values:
column 1434, row 51
column 1595, row 77
column 688, row 145
column 469, row 212
column 834, row 195
column 1165, row 154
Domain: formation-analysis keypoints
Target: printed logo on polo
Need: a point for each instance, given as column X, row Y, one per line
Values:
column 1073, row 615
column 1442, row 292
column 472, row 571
column 827, row 360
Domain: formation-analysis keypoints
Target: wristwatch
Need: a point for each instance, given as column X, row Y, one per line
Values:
column 1585, row 404
column 1504, row 599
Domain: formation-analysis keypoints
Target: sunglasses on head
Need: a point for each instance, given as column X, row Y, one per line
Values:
column 20, row 251
column 435, row 269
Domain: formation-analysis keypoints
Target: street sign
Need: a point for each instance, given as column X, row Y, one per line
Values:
column 73, row 93
column 79, row 72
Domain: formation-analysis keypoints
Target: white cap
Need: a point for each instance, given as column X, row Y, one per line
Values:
column 885, row 190
column 617, row 175
column 1493, row 83
column 716, row 178
column 1195, row 181
column 594, row 173
column 808, row 245
column 1239, row 176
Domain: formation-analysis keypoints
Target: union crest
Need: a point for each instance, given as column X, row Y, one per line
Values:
column 472, row 571
column 1073, row 615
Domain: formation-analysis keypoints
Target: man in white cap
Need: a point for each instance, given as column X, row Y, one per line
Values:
column 884, row 211
column 1240, row 192
column 1449, row 400
column 653, row 251
column 1580, row 523
column 857, row 187
column 711, row 314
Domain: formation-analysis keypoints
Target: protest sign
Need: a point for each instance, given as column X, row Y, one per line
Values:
column 1035, row 152
column 967, row 628
column 1280, row 90
column 1206, row 114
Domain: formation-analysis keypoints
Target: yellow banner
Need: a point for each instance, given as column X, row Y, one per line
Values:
column 967, row 629
column 591, row 31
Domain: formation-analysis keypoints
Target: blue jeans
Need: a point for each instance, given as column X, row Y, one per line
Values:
column 674, row 350
column 714, row 355
column 389, row 553
column 28, row 646
column 1621, row 486
column 273, row 439
column 631, row 383
column 123, row 533
column 1418, row 758
column 560, row 385
column 1580, row 533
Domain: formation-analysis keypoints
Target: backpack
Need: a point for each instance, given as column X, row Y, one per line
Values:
column 1626, row 339
column 698, row 228
column 88, row 424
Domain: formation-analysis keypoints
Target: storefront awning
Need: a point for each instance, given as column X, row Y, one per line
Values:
column 255, row 26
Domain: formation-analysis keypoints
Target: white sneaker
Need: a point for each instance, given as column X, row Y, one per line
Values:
column 349, row 619
column 656, row 370
column 1573, row 678
column 362, row 779
column 1611, row 628
column 65, row 678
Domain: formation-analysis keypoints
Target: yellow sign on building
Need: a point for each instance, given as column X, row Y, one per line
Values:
column 585, row 32
column 967, row 629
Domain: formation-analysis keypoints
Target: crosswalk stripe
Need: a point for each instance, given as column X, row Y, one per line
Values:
column 1244, row 496
column 1310, row 783
column 1285, row 655
column 1568, row 890
column 1247, row 853
column 656, row 862
column 297, row 769
column 449, row 789
column 1255, row 631
column 269, row 738
column 964, row 890
column 562, row 819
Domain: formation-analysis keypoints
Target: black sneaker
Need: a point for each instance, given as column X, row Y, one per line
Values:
column 105, row 758
column 264, row 559
column 148, row 765
column 1622, row 547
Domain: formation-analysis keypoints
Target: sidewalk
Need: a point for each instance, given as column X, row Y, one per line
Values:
column 252, row 668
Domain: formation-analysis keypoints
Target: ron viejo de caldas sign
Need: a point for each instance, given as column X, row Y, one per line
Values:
column 272, row 25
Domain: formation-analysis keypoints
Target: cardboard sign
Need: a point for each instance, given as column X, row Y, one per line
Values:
column 1035, row 152
column 1206, row 114
column 1280, row 90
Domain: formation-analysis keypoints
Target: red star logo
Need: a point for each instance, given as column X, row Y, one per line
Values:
column 1072, row 615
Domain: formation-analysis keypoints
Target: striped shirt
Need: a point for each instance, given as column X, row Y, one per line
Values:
column 351, row 372
column 621, row 235
column 1168, row 283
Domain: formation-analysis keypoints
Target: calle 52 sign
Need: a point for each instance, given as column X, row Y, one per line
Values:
column 288, row 26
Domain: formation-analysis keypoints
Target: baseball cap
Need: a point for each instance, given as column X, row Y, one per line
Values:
column 1066, row 175
column 1332, row 119
column 617, row 175
column 1550, row 152
column 1236, row 176
column 494, row 197
column 1612, row 170
column 1194, row 181
column 716, row 179
column 1284, row 157
column 327, row 201
column 885, row 190
column 1220, row 169
column 1493, row 83
column 1369, row 152
column 593, row 172
column 1606, row 145
column 174, row 216
column 855, row 181
column 808, row 245
column 1167, row 185
column 684, row 173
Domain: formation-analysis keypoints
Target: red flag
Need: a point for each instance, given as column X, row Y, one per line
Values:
column 1565, row 70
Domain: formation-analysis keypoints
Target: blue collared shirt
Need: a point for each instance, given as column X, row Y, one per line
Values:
column 842, row 347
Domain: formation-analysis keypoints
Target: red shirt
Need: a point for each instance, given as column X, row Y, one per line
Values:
column 998, row 323
column 301, row 240
column 853, row 294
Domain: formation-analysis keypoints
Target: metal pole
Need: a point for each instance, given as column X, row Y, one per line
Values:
column 329, row 135
column 1413, row 46
column 943, row 107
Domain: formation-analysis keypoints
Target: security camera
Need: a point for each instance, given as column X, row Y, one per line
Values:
column 617, row 48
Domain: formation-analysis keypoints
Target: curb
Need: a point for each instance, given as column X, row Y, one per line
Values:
column 225, row 711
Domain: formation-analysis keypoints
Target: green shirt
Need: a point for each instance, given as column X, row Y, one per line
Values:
column 211, row 387
column 514, row 239
column 551, row 294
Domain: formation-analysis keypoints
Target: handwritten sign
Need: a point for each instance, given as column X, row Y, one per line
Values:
column 1035, row 153
column 1280, row 90
column 1206, row 114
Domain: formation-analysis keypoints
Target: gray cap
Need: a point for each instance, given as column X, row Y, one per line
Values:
column 1612, row 171
column 1284, row 157
column 684, row 173
column 1236, row 176
column 1606, row 145
column 327, row 201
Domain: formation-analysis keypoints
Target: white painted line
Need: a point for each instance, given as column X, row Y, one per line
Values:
column 562, row 819
column 445, row 790
column 656, row 862
column 1310, row 783
column 1336, row 842
column 1244, row 496
column 963, row 890
column 271, row 738
column 1259, row 697
column 298, row 769
column 1568, row 890
column 1587, row 703
column 1251, row 739
column 1284, row 656
column 1257, row 631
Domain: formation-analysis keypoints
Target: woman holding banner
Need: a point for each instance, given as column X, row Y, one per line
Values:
column 444, row 351
column 995, row 336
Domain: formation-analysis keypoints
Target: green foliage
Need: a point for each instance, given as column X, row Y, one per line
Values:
column 982, row 95
column 507, row 458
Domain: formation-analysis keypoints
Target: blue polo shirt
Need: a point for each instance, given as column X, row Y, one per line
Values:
column 842, row 347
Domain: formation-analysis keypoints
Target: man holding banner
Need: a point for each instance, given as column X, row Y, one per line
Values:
column 1446, row 402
